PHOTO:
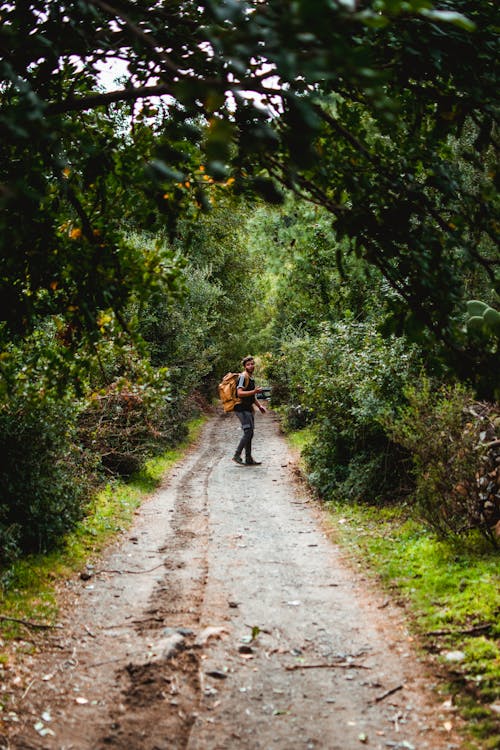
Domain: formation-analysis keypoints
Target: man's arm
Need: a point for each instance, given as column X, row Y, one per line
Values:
column 240, row 390
column 262, row 409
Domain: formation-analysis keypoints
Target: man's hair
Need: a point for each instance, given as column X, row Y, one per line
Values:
column 246, row 359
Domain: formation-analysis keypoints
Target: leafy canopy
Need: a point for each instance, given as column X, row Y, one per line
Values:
column 359, row 107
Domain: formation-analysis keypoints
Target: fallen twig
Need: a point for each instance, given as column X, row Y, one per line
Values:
column 29, row 624
column 132, row 572
column 146, row 619
column 28, row 688
column 101, row 663
column 468, row 631
column 293, row 667
column 387, row 693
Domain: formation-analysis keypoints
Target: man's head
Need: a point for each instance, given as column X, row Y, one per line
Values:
column 248, row 363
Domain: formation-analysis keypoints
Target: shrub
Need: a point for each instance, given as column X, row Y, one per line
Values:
column 44, row 482
column 45, row 474
column 127, row 422
column 346, row 380
column 449, row 436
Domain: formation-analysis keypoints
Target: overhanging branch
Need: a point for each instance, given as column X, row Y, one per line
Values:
column 107, row 97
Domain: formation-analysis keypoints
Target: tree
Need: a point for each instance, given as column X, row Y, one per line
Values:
column 354, row 106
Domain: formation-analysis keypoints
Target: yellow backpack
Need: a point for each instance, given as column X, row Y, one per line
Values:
column 227, row 390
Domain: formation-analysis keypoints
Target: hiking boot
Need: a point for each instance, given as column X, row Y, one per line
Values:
column 238, row 459
column 252, row 462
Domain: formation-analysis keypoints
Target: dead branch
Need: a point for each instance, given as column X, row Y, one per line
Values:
column 387, row 693
column 132, row 572
column 293, row 667
column 28, row 624
column 467, row 631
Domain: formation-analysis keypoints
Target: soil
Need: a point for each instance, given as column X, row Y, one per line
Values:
column 227, row 618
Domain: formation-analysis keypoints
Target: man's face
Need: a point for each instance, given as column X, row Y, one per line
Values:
column 250, row 366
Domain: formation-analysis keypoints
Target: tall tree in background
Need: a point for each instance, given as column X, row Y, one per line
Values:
column 361, row 107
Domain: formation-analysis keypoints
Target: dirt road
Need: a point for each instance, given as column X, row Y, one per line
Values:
column 227, row 619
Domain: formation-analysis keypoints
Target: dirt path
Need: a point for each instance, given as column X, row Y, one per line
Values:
column 227, row 619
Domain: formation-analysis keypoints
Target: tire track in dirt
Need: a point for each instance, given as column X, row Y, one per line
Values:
column 162, row 696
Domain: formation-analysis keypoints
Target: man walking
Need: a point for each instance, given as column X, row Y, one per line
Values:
column 247, row 392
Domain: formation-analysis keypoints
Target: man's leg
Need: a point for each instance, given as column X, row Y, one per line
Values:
column 248, row 444
column 245, row 444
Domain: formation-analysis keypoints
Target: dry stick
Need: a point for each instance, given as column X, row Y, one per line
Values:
column 28, row 688
column 468, row 631
column 92, row 635
column 387, row 693
column 141, row 622
column 293, row 667
column 132, row 572
column 28, row 624
column 101, row 663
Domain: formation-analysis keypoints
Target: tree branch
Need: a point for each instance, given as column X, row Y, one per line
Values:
column 103, row 99
column 28, row 623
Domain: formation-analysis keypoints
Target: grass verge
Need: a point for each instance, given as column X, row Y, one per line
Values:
column 28, row 587
column 451, row 593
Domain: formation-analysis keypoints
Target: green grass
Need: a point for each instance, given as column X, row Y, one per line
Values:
column 28, row 587
column 448, row 588
column 298, row 440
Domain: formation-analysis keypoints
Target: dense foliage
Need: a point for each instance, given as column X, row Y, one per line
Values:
column 382, row 426
column 76, row 412
column 359, row 107
column 380, row 114
column 345, row 381
column 452, row 442
column 45, row 472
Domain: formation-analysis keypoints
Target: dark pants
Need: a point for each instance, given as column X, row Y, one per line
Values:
column 247, row 423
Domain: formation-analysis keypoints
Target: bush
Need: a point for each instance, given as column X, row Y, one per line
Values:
column 450, row 438
column 128, row 422
column 44, row 482
column 345, row 381
column 45, row 475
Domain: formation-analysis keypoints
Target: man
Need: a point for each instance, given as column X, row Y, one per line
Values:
column 247, row 392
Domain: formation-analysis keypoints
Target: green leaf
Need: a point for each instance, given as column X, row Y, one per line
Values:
column 491, row 318
column 475, row 323
column 476, row 308
column 160, row 169
column 449, row 16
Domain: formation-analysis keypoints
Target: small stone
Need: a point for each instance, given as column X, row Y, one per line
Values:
column 245, row 650
column 454, row 656
column 169, row 646
column 185, row 631
column 217, row 674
